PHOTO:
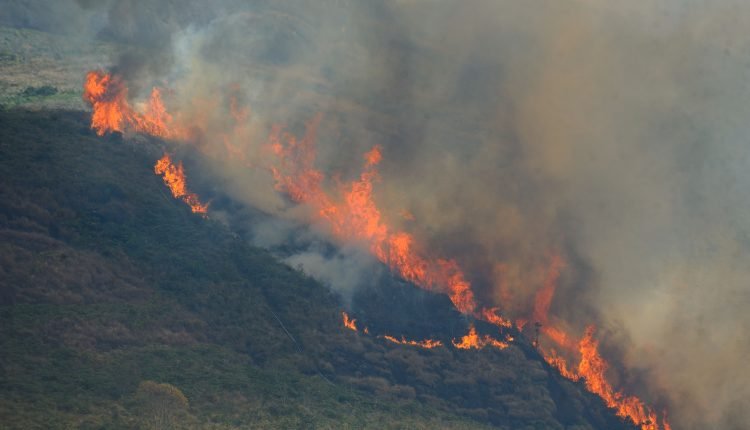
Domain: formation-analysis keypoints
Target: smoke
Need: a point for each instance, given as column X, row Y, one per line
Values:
column 611, row 134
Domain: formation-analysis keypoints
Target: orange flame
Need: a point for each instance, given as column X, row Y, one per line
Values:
column 108, row 97
column 542, row 303
column 356, row 217
column 561, row 365
column 351, row 324
column 427, row 343
column 544, row 296
column 666, row 425
column 490, row 315
column 592, row 369
column 559, row 337
column 174, row 178
column 592, row 366
column 474, row 341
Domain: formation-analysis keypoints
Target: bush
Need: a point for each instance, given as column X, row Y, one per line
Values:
column 161, row 406
column 43, row 91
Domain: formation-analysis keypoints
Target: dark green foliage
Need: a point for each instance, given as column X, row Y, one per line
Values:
column 43, row 91
column 106, row 281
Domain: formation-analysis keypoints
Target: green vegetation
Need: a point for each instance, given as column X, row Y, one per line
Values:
column 106, row 282
column 120, row 309
column 39, row 69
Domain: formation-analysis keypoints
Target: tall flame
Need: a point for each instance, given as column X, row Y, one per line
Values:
column 111, row 111
column 354, row 216
column 592, row 368
column 174, row 178
column 546, row 293
column 349, row 323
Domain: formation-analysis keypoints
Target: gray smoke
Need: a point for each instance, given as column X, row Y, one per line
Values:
column 613, row 134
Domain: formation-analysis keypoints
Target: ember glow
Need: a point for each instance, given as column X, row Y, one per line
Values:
column 174, row 178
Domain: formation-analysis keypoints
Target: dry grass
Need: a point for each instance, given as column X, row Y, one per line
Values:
column 33, row 59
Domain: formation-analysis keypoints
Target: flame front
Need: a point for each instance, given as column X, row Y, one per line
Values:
column 473, row 340
column 561, row 365
column 174, row 178
column 427, row 343
column 592, row 368
column 491, row 316
column 356, row 217
column 353, row 216
column 351, row 324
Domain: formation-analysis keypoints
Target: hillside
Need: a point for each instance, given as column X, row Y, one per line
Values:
column 121, row 309
column 107, row 282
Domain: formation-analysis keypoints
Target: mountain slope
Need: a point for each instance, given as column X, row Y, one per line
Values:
column 107, row 282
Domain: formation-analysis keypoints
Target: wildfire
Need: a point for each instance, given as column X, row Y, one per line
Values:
column 473, row 340
column 353, row 216
column 356, row 217
column 592, row 367
column 561, row 365
column 349, row 323
column 544, row 296
column 490, row 315
column 174, row 178
column 108, row 97
column 427, row 343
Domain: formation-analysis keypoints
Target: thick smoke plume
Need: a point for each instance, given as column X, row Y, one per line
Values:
column 612, row 134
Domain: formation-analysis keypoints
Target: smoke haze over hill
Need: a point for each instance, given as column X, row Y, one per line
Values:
column 613, row 135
